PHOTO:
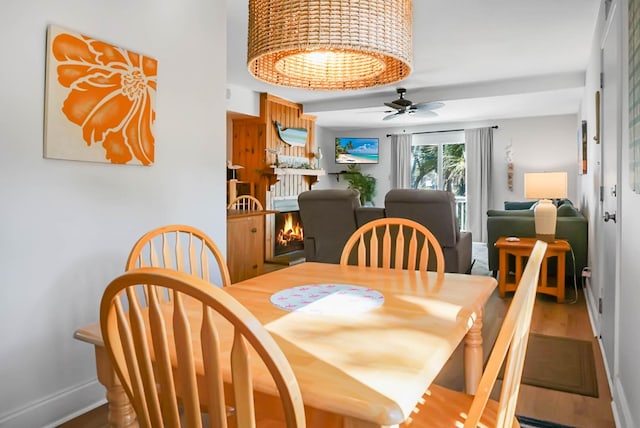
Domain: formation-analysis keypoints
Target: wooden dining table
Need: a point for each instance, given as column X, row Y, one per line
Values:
column 367, row 353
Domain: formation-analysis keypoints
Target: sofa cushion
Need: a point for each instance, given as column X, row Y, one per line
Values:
column 366, row 214
column 567, row 210
column 434, row 209
column 510, row 213
column 328, row 217
column 560, row 202
column 524, row 205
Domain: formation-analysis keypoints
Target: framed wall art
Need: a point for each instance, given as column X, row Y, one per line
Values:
column 100, row 101
column 582, row 148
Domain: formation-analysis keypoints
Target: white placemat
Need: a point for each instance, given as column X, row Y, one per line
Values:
column 328, row 299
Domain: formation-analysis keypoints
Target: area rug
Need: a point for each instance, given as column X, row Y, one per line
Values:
column 561, row 364
column 526, row 422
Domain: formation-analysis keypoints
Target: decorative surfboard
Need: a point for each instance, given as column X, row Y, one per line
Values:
column 292, row 136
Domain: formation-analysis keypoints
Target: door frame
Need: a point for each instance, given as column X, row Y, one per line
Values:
column 613, row 27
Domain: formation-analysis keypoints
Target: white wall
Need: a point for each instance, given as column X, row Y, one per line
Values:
column 66, row 227
column 547, row 143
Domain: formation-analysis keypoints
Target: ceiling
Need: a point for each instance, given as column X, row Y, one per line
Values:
column 489, row 59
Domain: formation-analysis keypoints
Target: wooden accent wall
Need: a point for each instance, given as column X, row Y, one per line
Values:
column 251, row 138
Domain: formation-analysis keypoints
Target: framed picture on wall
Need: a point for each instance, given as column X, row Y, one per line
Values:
column 582, row 148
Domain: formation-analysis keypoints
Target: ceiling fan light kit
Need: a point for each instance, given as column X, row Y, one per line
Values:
column 404, row 106
column 330, row 44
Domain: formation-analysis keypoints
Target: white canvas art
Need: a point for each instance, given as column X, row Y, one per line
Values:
column 100, row 101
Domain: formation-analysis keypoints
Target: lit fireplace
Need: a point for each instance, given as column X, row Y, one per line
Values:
column 288, row 233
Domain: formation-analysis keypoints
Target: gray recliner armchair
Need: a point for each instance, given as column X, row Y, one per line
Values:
column 328, row 219
column 435, row 209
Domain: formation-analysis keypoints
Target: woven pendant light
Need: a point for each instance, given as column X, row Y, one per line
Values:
column 330, row 44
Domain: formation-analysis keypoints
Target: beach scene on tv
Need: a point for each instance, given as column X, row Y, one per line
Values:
column 356, row 150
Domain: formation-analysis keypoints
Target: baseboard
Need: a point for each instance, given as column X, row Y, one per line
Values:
column 619, row 404
column 56, row 408
column 591, row 310
column 620, row 407
column 593, row 320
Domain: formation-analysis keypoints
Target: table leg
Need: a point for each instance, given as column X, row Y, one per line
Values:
column 544, row 272
column 502, row 272
column 518, row 268
column 473, row 355
column 561, row 277
column 121, row 413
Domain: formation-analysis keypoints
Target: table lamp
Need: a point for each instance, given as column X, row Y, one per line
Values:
column 544, row 186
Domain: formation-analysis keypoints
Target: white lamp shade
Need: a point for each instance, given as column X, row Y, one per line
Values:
column 545, row 185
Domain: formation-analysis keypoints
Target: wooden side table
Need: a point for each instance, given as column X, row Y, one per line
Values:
column 521, row 249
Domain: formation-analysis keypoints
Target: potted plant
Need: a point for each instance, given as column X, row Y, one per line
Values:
column 364, row 183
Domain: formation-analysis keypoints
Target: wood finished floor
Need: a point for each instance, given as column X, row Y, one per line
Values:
column 551, row 318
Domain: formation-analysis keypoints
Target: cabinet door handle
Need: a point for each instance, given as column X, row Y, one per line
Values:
column 255, row 266
column 254, row 229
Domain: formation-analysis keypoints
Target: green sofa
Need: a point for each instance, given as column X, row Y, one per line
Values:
column 571, row 225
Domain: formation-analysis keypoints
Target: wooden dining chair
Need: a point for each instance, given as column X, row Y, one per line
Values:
column 442, row 407
column 393, row 243
column 245, row 203
column 170, row 356
column 182, row 248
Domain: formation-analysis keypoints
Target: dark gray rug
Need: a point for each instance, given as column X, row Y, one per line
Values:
column 526, row 422
column 560, row 363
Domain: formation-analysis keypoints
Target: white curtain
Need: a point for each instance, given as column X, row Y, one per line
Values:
column 401, row 161
column 479, row 146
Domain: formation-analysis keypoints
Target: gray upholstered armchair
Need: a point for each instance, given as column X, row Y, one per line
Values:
column 435, row 209
column 328, row 218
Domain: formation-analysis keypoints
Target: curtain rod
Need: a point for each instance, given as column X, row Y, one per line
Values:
column 435, row 132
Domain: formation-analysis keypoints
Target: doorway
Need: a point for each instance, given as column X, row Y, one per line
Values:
column 607, row 226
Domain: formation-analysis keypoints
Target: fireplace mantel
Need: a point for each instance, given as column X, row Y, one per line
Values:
column 311, row 175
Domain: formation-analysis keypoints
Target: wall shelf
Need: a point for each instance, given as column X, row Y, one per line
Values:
column 297, row 171
column 311, row 175
column 338, row 174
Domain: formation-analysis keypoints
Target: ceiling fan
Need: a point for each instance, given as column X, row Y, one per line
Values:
column 405, row 106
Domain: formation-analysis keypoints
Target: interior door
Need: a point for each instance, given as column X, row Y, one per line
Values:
column 608, row 237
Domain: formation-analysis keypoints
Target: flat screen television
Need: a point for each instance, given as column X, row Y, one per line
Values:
column 354, row 150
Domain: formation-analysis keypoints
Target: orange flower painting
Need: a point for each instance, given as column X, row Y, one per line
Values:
column 100, row 101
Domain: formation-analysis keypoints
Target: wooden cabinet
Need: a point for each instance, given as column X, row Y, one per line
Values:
column 245, row 245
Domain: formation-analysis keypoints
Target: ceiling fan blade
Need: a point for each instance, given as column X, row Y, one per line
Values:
column 394, row 105
column 423, row 113
column 391, row 116
column 433, row 105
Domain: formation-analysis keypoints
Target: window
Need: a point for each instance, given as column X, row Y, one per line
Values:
column 438, row 161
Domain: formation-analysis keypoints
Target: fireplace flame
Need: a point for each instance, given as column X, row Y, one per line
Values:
column 290, row 232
